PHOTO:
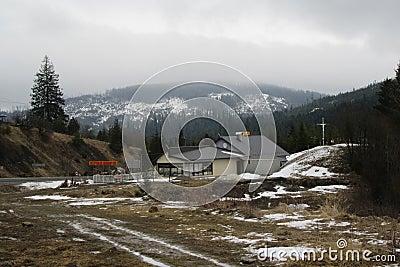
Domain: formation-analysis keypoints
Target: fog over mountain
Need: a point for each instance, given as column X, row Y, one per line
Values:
column 312, row 45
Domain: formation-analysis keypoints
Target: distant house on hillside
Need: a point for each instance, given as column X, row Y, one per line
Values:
column 228, row 157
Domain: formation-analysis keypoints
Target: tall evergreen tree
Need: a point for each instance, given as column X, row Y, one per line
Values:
column 115, row 135
column 389, row 97
column 292, row 139
column 302, row 141
column 47, row 97
column 102, row 135
column 73, row 126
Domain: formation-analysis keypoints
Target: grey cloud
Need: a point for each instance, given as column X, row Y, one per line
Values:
column 92, row 54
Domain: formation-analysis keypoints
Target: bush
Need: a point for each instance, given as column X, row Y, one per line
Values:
column 77, row 140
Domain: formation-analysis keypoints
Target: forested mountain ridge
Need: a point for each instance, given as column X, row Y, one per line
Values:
column 99, row 110
column 303, row 120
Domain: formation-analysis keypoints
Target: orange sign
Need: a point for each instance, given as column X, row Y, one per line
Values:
column 103, row 162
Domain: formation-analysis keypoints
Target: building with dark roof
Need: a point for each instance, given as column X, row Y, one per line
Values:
column 230, row 155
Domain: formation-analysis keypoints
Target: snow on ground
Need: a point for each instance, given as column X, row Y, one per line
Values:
column 120, row 246
column 52, row 197
column 240, row 218
column 308, row 223
column 144, row 237
column 301, row 164
column 249, row 176
column 298, row 207
column 328, row 188
column 83, row 201
column 41, row 185
column 280, row 190
column 177, row 205
column 303, row 224
column 77, row 239
column 281, row 216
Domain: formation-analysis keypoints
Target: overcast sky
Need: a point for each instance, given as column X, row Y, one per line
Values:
column 326, row 46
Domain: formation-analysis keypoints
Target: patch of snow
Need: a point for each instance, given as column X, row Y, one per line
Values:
column 315, row 171
column 8, row 238
column 265, row 236
column 115, row 244
column 52, row 197
column 177, row 205
column 77, row 239
column 244, row 219
column 359, row 233
column 301, row 164
column 298, row 207
column 250, row 176
column 41, row 185
column 59, row 231
column 236, row 198
column 378, row 242
column 86, row 203
column 341, row 224
column 328, row 188
column 281, row 216
column 83, row 201
column 280, row 190
column 151, row 239
column 305, row 224
column 295, row 155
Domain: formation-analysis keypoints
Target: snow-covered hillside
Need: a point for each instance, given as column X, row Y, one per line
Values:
column 100, row 110
column 315, row 162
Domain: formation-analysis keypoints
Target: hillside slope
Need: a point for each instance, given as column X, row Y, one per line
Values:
column 318, row 162
column 20, row 148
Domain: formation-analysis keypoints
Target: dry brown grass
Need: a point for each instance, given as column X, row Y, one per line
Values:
column 334, row 206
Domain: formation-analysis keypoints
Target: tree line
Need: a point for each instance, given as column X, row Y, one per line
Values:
column 368, row 121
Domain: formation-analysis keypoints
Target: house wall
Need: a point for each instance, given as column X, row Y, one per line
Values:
column 264, row 164
column 164, row 159
column 219, row 165
column 225, row 165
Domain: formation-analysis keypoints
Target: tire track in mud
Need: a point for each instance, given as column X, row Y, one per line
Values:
column 147, row 248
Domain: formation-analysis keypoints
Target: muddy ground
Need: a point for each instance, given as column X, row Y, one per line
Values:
column 117, row 225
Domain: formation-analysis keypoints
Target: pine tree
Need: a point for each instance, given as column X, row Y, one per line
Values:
column 154, row 147
column 102, row 135
column 292, row 139
column 47, row 98
column 389, row 97
column 303, row 141
column 115, row 135
column 73, row 126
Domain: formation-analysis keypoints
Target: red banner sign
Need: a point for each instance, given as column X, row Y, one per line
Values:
column 103, row 162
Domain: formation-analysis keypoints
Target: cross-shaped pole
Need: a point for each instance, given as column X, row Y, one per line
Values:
column 323, row 130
